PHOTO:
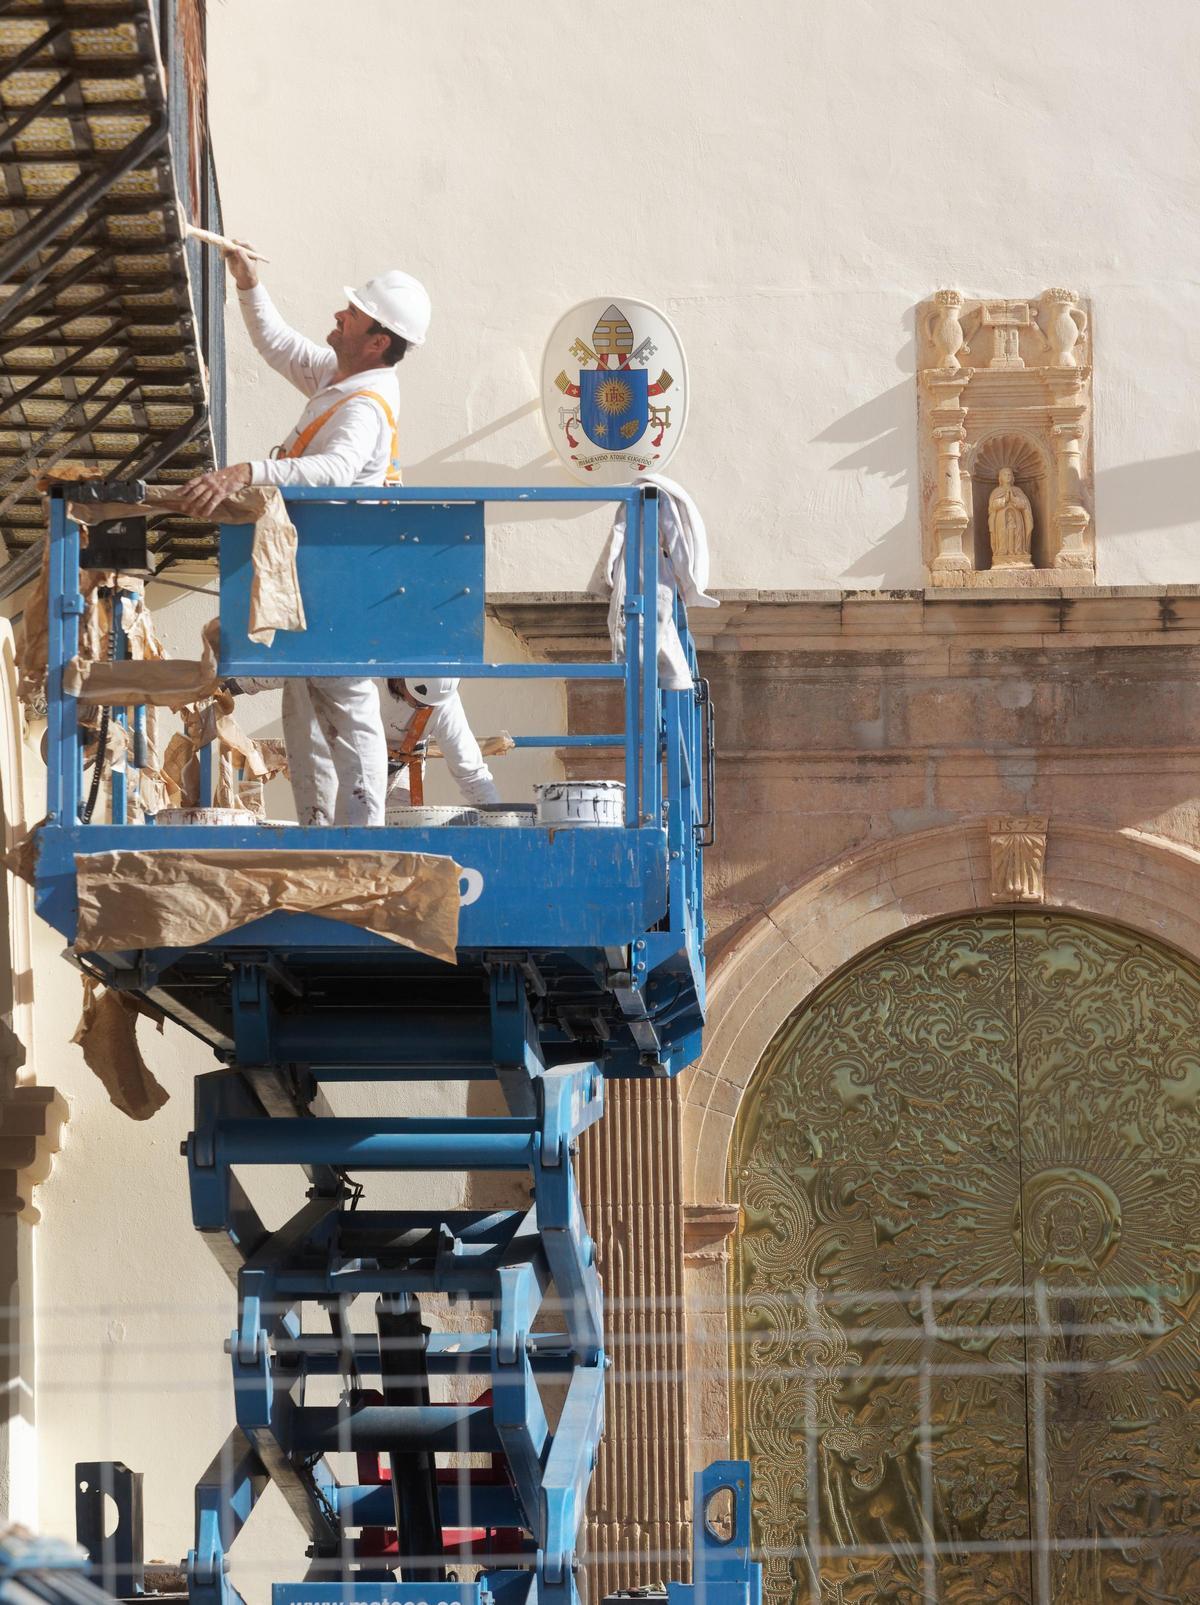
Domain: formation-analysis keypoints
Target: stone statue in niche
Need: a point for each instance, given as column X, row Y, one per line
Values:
column 1018, row 396
column 1010, row 524
column 1063, row 326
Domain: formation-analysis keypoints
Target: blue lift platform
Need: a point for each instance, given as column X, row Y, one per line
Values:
column 580, row 956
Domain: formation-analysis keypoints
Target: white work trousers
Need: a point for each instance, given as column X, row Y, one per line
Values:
column 337, row 754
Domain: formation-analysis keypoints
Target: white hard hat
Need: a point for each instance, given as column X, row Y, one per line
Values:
column 431, row 693
column 398, row 301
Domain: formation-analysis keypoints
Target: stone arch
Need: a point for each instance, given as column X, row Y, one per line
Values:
column 1146, row 883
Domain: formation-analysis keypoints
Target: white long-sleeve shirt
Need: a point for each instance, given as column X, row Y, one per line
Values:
column 354, row 447
column 447, row 727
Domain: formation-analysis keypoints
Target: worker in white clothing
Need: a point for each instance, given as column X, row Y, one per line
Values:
column 346, row 435
column 418, row 711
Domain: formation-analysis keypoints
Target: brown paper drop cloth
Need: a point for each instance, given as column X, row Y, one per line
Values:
column 174, row 898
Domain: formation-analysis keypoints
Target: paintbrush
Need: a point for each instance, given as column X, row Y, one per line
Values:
column 224, row 242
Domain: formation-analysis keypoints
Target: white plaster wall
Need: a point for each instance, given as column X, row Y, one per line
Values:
column 787, row 181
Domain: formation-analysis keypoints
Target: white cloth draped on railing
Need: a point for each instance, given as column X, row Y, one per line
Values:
column 682, row 563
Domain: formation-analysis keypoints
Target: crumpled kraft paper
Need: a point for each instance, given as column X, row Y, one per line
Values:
column 107, row 1035
column 161, row 682
column 34, row 636
column 275, row 602
column 21, row 858
column 250, row 792
column 211, row 723
column 175, row 898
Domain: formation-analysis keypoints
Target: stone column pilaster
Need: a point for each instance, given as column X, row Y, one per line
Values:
column 638, row 1525
column 1070, row 515
column 949, row 517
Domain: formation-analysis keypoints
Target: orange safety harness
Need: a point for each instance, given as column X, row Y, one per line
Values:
column 410, row 754
column 304, row 439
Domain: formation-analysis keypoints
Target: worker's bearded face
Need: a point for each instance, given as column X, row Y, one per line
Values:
column 351, row 335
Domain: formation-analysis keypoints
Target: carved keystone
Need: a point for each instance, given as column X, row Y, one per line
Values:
column 1018, row 858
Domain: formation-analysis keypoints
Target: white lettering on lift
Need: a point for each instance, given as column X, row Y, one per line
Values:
column 470, row 887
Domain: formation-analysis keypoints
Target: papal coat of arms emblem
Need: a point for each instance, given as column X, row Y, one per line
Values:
column 614, row 390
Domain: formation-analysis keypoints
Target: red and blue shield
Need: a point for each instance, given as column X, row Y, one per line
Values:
column 614, row 406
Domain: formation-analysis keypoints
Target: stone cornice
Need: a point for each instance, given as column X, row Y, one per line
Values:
column 571, row 624
column 31, row 1127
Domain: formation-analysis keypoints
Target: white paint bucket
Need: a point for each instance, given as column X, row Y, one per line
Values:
column 406, row 817
column 580, row 802
column 206, row 816
column 507, row 816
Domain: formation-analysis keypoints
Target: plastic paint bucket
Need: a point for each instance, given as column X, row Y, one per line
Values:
column 405, row 817
column 507, row 816
column 206, row 816
column 580, row 802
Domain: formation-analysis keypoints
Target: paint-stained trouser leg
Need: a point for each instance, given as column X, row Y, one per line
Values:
column 349, row 718
column 314, row 779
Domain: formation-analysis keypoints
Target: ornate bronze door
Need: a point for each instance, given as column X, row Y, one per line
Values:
column 968, row 1271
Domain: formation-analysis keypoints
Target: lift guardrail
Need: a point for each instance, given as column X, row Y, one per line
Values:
column 393, row 582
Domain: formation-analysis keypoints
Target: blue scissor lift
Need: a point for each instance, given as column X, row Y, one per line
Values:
column 580, row 956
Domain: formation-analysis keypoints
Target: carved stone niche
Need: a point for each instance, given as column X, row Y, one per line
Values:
column 1005, row 412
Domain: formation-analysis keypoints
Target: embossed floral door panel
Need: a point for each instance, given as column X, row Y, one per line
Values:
column 1109, row 1054
column 964, row 1277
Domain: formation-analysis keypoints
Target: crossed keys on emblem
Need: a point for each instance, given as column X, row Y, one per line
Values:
column 583, row 353
column 664, row 381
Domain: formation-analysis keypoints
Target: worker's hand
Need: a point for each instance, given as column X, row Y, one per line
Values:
column 241, row 268
column 202, row 495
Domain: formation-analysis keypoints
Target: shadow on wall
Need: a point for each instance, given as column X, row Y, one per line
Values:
column 1148, row 495
column 448, row 466
column 885, row 431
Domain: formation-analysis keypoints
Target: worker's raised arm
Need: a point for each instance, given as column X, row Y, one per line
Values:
column 357, row 433
column 301, row 361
